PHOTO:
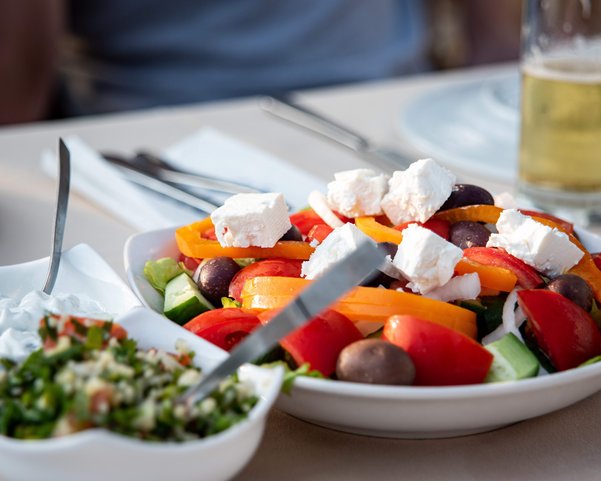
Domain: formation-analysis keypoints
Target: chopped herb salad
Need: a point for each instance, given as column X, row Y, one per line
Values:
column 89, row 374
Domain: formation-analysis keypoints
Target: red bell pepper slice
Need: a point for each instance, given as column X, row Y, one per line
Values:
column 320, row 341
column 224, row 327
column 442, row 356
column 267, row 267
column 527, row 276
column 564, row 331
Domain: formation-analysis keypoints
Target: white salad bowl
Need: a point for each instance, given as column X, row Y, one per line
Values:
column 399, row 411
column 98, row 455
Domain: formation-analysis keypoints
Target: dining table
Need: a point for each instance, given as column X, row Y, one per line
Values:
column 557, row 446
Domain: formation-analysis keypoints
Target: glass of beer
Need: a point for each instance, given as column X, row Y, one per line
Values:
column 560, row 138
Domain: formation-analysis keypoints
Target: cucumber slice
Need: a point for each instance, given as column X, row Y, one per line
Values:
column 183, row 299
column 512, row 360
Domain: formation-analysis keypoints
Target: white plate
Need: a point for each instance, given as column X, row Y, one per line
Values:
column 470, row 126
column 393, row 411
column 84, row 455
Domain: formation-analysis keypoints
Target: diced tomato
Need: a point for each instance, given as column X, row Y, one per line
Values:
column 442, row 356
column 567, row 226
column 319, row 232
column 191, row 263
column 438, row 226
column 527, row 276
column 224, row 327
column 68, row 327
column 320, row 341
column 305, row 220
column 266, row 267
column 564, row 331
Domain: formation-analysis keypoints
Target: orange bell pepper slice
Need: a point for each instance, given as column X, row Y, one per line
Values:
column 190, row 243
column 361, row 304
column 488, row 214
column 588, row 270
column 492, row 277
column 377, row 231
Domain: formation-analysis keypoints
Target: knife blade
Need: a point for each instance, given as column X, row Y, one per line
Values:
column 321, row 293
column 140, row 177
column 283, row 107
column 159, row 168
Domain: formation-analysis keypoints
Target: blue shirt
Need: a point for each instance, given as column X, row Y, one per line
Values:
column 142, row 53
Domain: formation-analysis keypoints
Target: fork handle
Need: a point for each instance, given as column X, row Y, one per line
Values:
column 284, row 108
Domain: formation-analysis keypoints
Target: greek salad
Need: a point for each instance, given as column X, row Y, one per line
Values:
column 89, row 374
column 474, row 289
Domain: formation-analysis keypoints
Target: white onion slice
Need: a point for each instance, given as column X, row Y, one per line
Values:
column 463, row 287
column 319, row 204
column 512, row 320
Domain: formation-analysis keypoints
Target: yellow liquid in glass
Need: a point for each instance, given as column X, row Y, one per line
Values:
column 560, row 143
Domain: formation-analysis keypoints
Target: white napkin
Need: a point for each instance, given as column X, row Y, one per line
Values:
column 208, row 151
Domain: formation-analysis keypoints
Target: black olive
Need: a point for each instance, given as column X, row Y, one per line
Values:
column 466, row 234
column 292, row 234
column 575, row 288
column 214, row 278
column 467, row 194
column 375, row 361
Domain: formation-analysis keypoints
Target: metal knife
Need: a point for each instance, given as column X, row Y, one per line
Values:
column 157, row 167
column 141, row 177
column 321, row 293
column 283, row 107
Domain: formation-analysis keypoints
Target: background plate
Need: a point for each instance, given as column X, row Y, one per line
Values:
column 471, row 126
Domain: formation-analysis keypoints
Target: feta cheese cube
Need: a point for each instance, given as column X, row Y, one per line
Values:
column 418, row 192
column 358, row 192
column 426, row 259
column 341, row 242
column 245, row 220
column 547, row 249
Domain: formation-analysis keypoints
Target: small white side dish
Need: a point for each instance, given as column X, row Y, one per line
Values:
column 82, row 272
column 400, row 411
column 98, row 455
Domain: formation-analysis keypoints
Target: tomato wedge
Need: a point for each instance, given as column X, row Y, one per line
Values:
column 320, row 341
column 565, row 225
column 438, row 226
column 319, row 232
column 305, row 220
column 442, row 356
column 562, row 329
column 224, row 327
column 527, row 277
column 266, row 267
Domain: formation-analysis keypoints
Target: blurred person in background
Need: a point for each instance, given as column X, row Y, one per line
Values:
column 61, row 58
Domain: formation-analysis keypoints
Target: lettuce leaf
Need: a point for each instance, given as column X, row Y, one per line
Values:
column 158, row 273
